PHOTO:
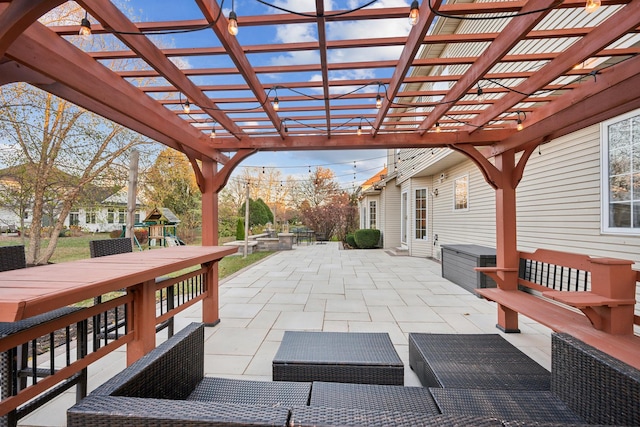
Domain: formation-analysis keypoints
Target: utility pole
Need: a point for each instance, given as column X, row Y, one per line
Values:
column 246, row 222
column 131, row 194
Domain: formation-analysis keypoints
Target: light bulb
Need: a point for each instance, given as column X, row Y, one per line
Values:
column 233, row 23
column 480, row 94
column 187, row 107
column 85, row 26
column 276, row 103
column 213, row 134
column 592, row 5
column 414, row 13
column 359, row 130
column 378, row 101
column 519, row 126
column 438, row 128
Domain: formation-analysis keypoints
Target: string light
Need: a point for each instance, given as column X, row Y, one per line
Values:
column 213, row 133
column 438, row 127
column 592, row 5
column 187, row 107
column 414, row 13
column 276, row 103
column 233, row 21
column 519, row 125
column 85, row 25
column 378, row 102
column 480, row 94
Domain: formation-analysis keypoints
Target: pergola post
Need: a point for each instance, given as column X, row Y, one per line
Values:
column 210, row 304
column 507, row 258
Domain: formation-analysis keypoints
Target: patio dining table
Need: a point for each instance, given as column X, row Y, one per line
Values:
column 32, row 291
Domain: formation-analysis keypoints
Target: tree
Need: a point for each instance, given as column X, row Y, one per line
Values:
column 319, row 188
column 64, row 147
column 171, row 183
column 259, row 212
column 332, row 218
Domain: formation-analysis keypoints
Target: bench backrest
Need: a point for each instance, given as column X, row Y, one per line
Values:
column 170, row 371
column 120, row 245
column 553, row 270
column 596, row 386
column 12, row 258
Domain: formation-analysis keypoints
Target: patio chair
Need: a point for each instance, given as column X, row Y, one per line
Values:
column 14, row 363
column 167, row 387
column 123, row 245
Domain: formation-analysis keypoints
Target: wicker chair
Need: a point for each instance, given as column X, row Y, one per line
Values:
column 123, row 245
column 12, row 258
column 167, row 387
column 14, row 362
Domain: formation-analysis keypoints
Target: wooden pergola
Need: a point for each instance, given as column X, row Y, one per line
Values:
column 549, row 66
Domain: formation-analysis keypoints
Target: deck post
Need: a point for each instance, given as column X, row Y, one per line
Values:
column 506, row 237
column 615, row 279
column 144, row 320
column 210, row 304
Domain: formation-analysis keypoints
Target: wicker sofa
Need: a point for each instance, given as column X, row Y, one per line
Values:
column 167, row 387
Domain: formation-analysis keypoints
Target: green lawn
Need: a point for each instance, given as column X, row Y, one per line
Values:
column 73, row 248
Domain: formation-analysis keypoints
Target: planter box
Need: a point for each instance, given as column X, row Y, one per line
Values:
column 459, row 261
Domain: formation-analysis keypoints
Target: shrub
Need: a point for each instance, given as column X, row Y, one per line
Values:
column 351, row 241
column 114, row 234
column 367, row 238
column 240, row 229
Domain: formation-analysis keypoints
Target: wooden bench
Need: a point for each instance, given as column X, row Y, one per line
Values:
column 590, row 298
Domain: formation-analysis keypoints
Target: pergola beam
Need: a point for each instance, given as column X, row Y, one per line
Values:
column 515, row 30
column 218, row 23
column 588, row 46
column 42, row 51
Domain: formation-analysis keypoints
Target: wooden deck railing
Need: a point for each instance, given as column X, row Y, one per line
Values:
column 40, row 357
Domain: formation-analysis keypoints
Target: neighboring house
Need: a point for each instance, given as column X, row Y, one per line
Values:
column 369, row 200
column 101, row 209
column 578, row 194
column 105, row 215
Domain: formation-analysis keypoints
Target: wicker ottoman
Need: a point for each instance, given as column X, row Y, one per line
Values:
column 474, row 361
column 346, row 357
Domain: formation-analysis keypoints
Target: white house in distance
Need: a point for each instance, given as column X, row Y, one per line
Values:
column 108, row 215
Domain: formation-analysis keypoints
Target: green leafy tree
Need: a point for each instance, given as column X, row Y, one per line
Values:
column 240, row 229
column 171, row 183
column 259, row 212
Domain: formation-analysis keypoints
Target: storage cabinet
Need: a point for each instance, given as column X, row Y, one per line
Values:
column 459, row 261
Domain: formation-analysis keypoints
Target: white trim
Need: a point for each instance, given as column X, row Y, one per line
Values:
column 414, row 216
column 604, row 178
column 404, row 218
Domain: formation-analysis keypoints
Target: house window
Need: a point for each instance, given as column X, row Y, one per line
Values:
column 110, row 215
column 372, row 214
column 90, row 217
column 621, row 174
column 461, row 193
column 421, row 213
column 122, row 214
column 74, row 218
column 137, row 218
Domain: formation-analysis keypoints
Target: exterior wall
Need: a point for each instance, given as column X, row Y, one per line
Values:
column 101, row 224
column 559, row 200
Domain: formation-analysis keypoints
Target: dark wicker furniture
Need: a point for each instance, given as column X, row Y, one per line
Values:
column 537, row 405
column 315, row 416
column 14, row 363
column 346, row 357
column 104, row 247
column 599, row 388
column 12, row 258
column 370, row 396
column 483, row 361
column 154, row 391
